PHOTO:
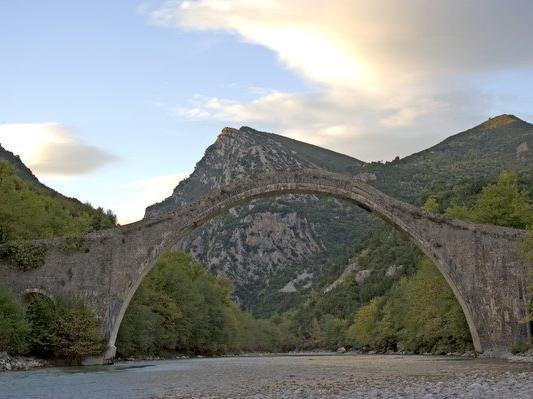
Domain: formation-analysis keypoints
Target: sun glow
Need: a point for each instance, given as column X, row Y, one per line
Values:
column 27, row 139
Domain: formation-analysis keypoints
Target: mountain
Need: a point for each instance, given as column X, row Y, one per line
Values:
column 22, row 170
column 277, row 249
column 502, row 142
column 269, row 242
column 31, row 210
column 239, row 153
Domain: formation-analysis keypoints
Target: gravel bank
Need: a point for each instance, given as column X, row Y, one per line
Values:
column 18, row 363
column 359, row 376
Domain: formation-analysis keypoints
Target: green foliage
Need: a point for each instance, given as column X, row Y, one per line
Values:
column 180, row 308
column 519, row 347
column 386, row 247
column 431, row 204
column 23, row 256
column 504, row 203
column 501, row 203
column 323, row 319
column 73, row 243
column 31, row 211
column 13, row 326
column 366, row 324
column 421, row 314
column 65, row 330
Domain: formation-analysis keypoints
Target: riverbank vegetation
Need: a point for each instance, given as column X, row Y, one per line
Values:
column 181, row 308
column 61, row 330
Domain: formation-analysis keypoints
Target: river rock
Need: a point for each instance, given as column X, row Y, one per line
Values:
column 15, row 363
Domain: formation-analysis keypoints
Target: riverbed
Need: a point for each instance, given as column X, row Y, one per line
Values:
column 294, row 376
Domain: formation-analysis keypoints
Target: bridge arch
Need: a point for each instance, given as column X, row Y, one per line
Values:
column 318, row 183
column 479, row 262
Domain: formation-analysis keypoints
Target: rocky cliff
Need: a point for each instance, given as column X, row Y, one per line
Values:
column 276, row 250
column 268, row 243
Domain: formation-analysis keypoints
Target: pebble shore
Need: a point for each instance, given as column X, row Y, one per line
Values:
column 368, row 377
column 18, row 363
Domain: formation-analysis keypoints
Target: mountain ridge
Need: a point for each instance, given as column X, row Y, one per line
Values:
column 268, row 243
column 22, row 170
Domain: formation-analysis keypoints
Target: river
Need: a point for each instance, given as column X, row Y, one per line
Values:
column 309, row 376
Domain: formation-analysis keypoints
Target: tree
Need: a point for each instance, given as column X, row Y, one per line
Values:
column 65, row 330
column 78, row 332
column 365, row 325
column 501, row 203
column 181, row 308
column 431, row 204
column 13, row 327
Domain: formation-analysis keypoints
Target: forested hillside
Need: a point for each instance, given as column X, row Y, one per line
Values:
column 394, row 298
column 30, row 210
column 181, row 308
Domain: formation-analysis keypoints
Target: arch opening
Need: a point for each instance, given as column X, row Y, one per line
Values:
column 196, row 214
column 30, row 295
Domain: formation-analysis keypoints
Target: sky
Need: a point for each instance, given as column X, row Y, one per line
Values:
column 113, row 102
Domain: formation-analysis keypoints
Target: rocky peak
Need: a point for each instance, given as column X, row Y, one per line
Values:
column 500, row 121
column 270, row 241
column 238, row 153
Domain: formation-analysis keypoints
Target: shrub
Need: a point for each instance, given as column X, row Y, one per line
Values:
column 13, row 327
column 24, row 256
column 519, row 347
column 65, row 330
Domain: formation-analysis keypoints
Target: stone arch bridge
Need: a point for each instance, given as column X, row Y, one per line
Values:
column 104, row 268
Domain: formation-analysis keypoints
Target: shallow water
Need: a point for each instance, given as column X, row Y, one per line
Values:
column 146, row 379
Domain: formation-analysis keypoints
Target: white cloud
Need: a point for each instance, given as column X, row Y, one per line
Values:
column 144, row 192
column 386, row 69
column 355, row 44
column 51, row 149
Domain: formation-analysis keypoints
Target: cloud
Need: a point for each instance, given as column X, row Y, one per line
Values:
column 392, row 69
column 343, row 121
column 347, row 43
column 144, row 192
column 51, row 149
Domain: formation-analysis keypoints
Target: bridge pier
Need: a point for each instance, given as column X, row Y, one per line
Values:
column 108, row 357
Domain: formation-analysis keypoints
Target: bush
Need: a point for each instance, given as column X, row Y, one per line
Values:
column 364, row 330
column 24, row 256
column 13, row 327
column 519, row 347
column 65, row 330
